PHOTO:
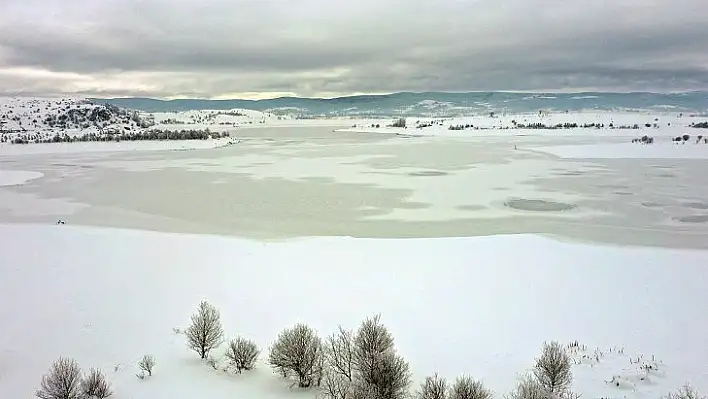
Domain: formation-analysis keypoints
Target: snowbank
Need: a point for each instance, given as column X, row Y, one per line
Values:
column 17, row 177
column 471, row 305
column 111, row 146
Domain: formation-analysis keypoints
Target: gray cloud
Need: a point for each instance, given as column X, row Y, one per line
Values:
column 320, row 47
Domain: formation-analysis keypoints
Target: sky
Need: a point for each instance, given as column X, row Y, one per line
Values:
column 326, row 48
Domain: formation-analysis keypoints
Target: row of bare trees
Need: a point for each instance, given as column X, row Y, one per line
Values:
column 349, row 364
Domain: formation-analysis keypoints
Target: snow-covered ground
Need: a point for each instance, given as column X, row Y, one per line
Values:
column 660, row 125
column 481, row 306
column 17, row 177
column 112, row 146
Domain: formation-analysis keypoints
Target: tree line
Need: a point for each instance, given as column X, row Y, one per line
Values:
column 348, row 364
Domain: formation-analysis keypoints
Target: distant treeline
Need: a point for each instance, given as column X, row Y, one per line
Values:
column 117, row 137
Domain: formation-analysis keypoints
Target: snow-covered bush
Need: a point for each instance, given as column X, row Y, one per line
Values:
column 378, row 368
column 686, row 392
column 95, row 386
column 242, row 354
column 465, row 387
column 528, row 388
column 434, row 387
column 553, row 369
column 63, row 381
column 146, row 364
column 298, row 352
column 205, row 333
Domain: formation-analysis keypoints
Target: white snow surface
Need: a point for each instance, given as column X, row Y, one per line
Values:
column 480, row 305
column 628, row 150
column 112, row 146
column 17, row 177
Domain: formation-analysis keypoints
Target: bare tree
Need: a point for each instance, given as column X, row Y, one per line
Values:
column 206, row 332
column 339, row 365
column 340, row 353
column 465, row 387
column 63, row 381
column 242, row 354
column 528, row 388
column 95, row 386
column 371, row 341
column 389, row 378
column 553, row 369
column 298, row 351
column 686, row 392
column 336, row 385
column 434, row 387
column 379, row 372
column 147, row 363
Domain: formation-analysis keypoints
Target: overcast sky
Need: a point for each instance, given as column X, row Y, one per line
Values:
column 267, row 48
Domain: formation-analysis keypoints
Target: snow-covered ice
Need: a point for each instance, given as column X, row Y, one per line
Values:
column 481, row 306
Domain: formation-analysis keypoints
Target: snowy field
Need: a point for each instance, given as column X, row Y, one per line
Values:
column 503, row 271
column 106, row 297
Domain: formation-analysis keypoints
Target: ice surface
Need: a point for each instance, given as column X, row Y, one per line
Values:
column 481, row 306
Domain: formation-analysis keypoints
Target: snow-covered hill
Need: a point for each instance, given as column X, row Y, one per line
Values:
column 36, row 119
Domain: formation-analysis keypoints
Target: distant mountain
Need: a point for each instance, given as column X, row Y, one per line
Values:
column 436, row 104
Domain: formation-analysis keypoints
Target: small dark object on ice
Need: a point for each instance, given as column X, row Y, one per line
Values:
column 61, row 221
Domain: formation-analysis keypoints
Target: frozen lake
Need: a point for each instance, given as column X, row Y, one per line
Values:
column 293, row 182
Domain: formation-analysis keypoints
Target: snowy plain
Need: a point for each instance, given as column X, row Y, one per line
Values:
column 476, row 305
column 469, row 305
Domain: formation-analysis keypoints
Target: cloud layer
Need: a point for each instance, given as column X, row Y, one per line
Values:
column 257, row 48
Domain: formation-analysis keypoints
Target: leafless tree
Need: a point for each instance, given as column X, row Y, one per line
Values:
column 389, row 378
column 147, row 363
column 336, row 386
column 95, row 386
column 465, row 387
column 528, row 388
column 63, row 381
column 340, row 353
column 206, row 332
column 242, row 353
column 553, row 369
column 378, row 370
column 298, row 351
column 686, row 392
column 371, row 341
column 434, row 387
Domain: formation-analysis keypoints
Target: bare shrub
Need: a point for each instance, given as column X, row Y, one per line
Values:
column 379, row 371
column 63, row 381
column 400, row 122
column 206, row 332
column 213, row 363
column 528, row 388
column 335, row 386
column 242, row 354
column 433, row 387
column 94, row 385
column 339, row 365
column 553, row 369
column 389, row 378
column 371, row 341
column 686, row 392
column 340, row 353
column 465, row 387
column 298, row 352
column 147, row 363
